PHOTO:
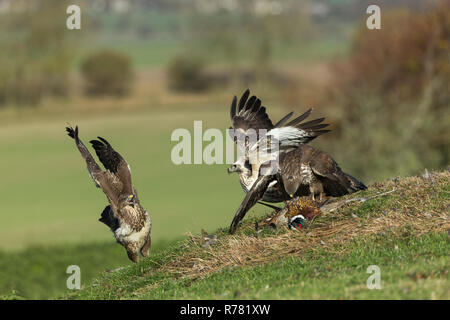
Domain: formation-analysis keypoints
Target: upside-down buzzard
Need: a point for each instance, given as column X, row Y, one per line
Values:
column 127, row 219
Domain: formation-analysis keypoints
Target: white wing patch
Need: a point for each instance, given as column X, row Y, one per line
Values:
column 272, row 184
column 95, row 181
column 280, row 139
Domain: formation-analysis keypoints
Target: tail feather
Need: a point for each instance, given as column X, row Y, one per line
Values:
column 341, row 183
column 354, row 183
column 336, row 186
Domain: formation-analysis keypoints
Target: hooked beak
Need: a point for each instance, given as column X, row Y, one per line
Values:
column 132, row 199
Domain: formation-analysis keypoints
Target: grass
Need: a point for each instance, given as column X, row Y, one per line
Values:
column 416, row 269
column 52, row 200
column 39, row 272
column 316, row 276
column 406, row 235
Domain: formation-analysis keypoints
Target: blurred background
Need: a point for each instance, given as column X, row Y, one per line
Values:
column 138, row 69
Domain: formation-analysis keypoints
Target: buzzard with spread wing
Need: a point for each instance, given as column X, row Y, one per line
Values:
column 127, row 219
column 288, row 166
column 249, row 119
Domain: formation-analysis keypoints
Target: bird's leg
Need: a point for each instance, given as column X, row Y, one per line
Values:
column 321, row 196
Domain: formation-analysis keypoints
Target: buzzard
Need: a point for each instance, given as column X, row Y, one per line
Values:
column 127, row 219
column 291, row 169
column 249, row 115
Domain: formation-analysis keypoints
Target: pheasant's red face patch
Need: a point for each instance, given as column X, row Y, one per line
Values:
column 297, row 222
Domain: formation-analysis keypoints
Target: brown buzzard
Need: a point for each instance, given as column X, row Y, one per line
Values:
column 292, row 169
column 127, row 219
column 248, row 115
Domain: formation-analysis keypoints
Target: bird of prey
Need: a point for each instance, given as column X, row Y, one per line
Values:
column 290, row 170
column 127, row 219
column 248, row 118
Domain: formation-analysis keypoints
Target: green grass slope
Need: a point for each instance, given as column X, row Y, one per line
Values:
column 405, row 233
column 39, row 272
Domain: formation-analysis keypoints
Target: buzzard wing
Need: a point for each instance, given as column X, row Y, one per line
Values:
column 250, row 114
column 256, row 193
column 291, row 135
column 92, row 166
column 297, row 132
column 335, row 181
column 113, row 162
column 291, row 172
column 98, row 175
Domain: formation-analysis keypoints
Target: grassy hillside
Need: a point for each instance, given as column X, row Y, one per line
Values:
column 404, row 232
column 39, row 272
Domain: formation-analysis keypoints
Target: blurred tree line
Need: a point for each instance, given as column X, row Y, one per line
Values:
column 36, row 52
column 243, row 35
column 107, row 73
column 390, row 98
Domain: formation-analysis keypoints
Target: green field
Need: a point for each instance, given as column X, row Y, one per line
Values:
column 143, row 52
column 52, row 200
column 49, row 219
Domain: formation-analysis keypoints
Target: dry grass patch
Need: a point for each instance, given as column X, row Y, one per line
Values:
column 419, row 205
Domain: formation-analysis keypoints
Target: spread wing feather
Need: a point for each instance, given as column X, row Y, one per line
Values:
column 284, row 119
column 250, row 114
column 107, row 155
column 92, row 166
column 101, row 178
column 113, row 162
column 256, row 193
column 299, row 118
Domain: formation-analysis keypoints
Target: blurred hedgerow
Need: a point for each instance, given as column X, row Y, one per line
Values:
column 36, row 53
column 390, row 98
column 187, row 73
column 107, row 73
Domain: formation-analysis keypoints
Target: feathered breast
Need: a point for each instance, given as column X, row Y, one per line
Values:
column 133, row 216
